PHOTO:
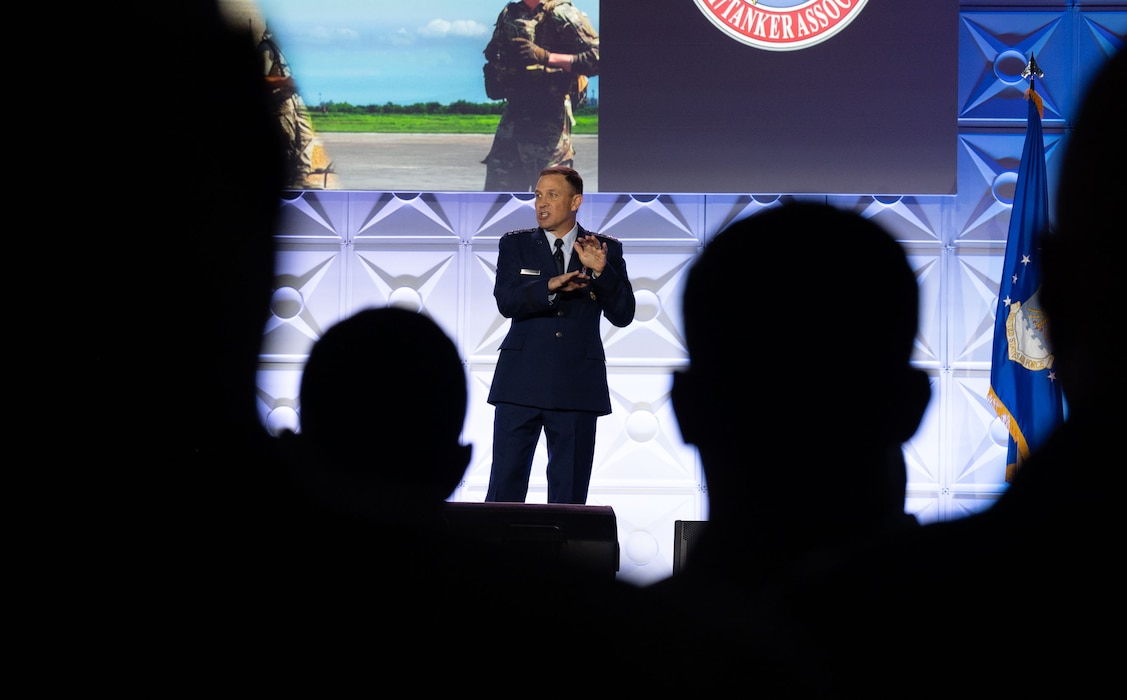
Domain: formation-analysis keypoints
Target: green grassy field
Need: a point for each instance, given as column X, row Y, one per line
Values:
column 425, row 123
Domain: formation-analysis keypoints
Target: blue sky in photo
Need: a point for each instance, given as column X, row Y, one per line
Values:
column 366, row 52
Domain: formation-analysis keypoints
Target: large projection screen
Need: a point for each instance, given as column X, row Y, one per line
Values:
column 869, row 110
column 839, row 96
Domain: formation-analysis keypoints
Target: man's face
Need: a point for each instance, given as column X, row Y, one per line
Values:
column 556, row 204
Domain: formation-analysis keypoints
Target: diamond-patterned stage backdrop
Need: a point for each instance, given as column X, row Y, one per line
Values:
column 339, row 251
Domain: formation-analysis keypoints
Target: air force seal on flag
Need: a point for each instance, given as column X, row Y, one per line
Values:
column 779, row 25
column 1025, row 334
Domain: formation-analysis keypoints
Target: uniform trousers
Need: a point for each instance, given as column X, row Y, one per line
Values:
column 571, row 450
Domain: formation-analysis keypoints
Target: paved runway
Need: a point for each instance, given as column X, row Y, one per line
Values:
column 429, row 162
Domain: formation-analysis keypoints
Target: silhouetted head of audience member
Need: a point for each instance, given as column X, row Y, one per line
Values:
column 1078, row 287
column 183, row 260
column 383, row 402
column 800, row 322
column 169, row 293
column 1041, row 557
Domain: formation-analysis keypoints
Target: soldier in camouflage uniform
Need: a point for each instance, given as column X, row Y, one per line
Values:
column 291, row 113
column 537, row 60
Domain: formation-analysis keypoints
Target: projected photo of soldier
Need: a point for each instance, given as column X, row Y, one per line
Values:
column 537, row 60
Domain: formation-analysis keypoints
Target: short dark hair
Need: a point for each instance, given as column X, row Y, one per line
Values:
column 854, row 303
column 570, row 174
column 347, row 397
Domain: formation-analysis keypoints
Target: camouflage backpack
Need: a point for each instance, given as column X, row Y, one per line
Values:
column 503, row 67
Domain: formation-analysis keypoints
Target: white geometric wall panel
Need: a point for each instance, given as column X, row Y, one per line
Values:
column 435, row 253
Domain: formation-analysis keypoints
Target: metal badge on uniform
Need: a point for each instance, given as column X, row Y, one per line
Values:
column 593, row 297
column 529, row 271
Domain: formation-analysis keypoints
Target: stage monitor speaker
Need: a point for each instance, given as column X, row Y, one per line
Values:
column 578, row 535
column 685, row 533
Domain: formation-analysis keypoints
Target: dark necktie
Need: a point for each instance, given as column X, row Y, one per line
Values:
column 559, row 256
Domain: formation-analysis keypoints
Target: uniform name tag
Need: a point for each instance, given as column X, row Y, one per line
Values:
column 529, row 271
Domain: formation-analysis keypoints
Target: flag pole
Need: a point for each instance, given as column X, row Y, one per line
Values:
column 1023, row 388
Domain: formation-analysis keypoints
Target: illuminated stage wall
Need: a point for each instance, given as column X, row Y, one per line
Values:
column 434, row 250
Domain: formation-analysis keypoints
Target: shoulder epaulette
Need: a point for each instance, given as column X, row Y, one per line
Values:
column 521, row 230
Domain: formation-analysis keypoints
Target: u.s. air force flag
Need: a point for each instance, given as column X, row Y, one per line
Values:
column 1023, row 387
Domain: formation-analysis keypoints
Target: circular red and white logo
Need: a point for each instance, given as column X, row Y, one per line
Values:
column 778, row 25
